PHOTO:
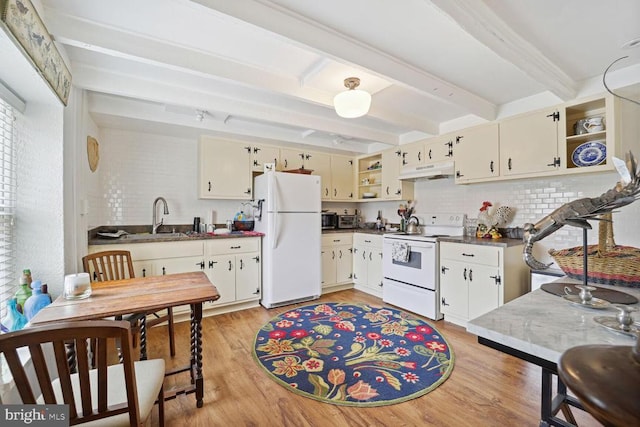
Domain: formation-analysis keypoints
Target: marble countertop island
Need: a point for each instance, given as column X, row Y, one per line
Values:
column 544, row 325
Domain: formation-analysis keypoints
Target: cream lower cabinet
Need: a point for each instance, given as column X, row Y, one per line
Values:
column 160, row 258
column 367, row 263
column 234, row 267
column 475, row 279
column 337, row 261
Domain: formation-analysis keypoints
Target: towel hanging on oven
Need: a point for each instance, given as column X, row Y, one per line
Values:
column 400, row 252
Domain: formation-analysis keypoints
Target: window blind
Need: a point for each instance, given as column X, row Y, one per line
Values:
column 8, row 282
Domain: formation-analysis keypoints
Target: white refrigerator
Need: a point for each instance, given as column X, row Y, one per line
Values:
column 291, row 224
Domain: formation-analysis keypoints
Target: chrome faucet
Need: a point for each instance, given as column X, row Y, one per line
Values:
column 154, row 224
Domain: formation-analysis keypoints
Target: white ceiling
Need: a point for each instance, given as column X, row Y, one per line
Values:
column 270, row 69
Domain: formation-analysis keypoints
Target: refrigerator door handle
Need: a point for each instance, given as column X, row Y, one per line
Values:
column 274, row 203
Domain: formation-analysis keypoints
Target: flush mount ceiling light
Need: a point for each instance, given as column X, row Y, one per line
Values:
column 352, row 103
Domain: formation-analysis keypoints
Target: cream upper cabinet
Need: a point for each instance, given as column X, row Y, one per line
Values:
column 263, row 154
column 291, row 158
column 413, row 154
column 224, row 169
column 320, row 164
column 392, row 187
column 342, row 178
column 477, row 154
column 439, row 149
column 529, row 143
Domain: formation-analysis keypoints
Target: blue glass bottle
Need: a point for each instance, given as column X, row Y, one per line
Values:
column 14, row 320
column 37, row 301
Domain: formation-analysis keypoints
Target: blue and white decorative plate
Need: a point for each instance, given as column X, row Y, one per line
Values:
column 589, row 154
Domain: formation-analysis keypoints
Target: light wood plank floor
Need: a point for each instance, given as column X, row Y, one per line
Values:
column 486, row 387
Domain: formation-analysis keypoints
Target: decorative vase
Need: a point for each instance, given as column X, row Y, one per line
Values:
column 37, row 301
column 14, row 320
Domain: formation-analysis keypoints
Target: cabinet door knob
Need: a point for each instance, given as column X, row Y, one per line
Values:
column 464, row 274
column 470, row 275
column 257, row 258
column 241, row 264
column 257, row 291
column 333, row 254
column 230, row 266
column 444, row 269
column 387, row 190
column 443, row 302
column 211, row 263
column 209, row 186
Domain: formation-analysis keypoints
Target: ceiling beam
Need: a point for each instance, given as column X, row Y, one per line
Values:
column 477, row 19
column 84, row 34
column 107, row 81
column 312, row 34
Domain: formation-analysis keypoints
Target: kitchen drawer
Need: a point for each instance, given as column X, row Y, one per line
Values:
column 229, row 246
column 360, row 239
column 332, row 239
column 474, row 254
column 158, row 250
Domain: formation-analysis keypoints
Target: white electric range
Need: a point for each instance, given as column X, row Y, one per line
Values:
column 413, row 282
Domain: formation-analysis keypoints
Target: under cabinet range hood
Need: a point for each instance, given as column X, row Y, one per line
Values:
column 430, row 171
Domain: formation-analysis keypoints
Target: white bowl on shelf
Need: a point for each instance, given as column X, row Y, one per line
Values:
column 368, row 195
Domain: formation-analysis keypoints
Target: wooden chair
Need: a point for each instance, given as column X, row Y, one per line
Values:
column 118, row 395
column 117, row 265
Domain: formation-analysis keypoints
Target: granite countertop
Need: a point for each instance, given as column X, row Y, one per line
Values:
column 545, row 325
column 167, row 233
column 503, row 241
column 355, row 230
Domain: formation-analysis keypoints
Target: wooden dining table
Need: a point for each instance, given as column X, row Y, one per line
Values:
column 139, row 296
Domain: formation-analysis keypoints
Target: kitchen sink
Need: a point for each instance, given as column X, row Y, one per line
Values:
column 149, row 236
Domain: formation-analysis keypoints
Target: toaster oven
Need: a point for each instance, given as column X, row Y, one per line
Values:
column 347, row 221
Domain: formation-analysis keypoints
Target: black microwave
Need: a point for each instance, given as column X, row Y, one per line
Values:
column 329, row 220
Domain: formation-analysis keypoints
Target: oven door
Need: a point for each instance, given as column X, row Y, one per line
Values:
column 419, row 270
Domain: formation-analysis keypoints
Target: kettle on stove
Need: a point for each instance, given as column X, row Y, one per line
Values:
column 413, row 226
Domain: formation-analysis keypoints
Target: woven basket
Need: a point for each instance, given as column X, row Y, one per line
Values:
column 607, row 263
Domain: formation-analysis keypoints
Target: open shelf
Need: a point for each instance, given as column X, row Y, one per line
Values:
column 575, row 137
column 370, row 177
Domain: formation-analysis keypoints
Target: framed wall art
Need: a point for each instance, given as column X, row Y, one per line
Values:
column 21, row 22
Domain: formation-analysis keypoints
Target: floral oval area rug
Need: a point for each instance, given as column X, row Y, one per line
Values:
column 353, row 354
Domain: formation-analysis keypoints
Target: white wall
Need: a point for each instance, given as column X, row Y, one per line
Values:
column 135, row 168
column 532, row 200
column 39, row 207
